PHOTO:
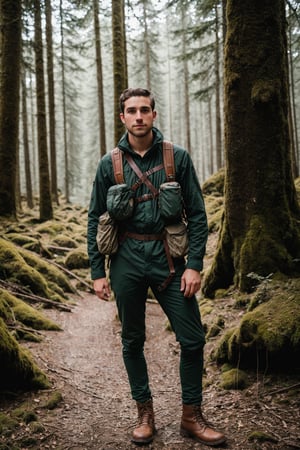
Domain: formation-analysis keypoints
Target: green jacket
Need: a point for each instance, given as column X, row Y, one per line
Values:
column 146, row 218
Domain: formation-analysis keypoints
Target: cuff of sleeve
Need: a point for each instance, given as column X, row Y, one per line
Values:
column 194, row 264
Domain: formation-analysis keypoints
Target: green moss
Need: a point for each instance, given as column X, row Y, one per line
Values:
column 36, row 427
column 64, row 241
column 49, row 271
column 215, row 184
column 55, row 399
column 18, row 371
column 51, row 227
column 26, row 314
column 214, row 209
column 21, row 239
column 268, row 336
column 77, row 260
column 260, row 436
column 15, row 269
column 7, row 423
column 216, row 328
column 234, row 379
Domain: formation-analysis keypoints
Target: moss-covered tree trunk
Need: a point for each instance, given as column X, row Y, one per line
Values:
column 10, row 39
column 46, row 211
column 260, row 231
column 119, row 61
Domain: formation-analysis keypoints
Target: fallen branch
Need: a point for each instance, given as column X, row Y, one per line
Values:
column 56, row 247
column 19, row 292
column 284, row 389
column 72, row 274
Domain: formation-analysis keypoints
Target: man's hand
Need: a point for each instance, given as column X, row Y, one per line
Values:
column 102, row 289
column 190, row 282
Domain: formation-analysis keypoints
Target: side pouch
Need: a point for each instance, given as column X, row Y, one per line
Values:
column 177, row 239
column 120, row 202
column 170, row 201
column 107, row 235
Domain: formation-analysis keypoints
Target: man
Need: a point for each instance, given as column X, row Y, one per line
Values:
column 141, row 262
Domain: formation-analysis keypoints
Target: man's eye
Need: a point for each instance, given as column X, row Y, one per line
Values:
column 145, row 110
column 131, row 111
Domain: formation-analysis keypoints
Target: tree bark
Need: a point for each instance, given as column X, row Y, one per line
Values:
column 46, row 211
column 119, row 62
column 51, row 100
column 260, row 230
column 10, row 38
column 99, row 79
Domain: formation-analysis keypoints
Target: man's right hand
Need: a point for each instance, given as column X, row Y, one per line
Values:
column 102, row 289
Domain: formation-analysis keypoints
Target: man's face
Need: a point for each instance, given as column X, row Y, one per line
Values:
column 138, row 116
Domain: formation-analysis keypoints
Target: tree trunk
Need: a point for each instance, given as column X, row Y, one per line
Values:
column 51, row 100
column 119, row 62
column 64, row 107
column 10, row 53
column 217, row 92
column 29, row 196
column 99, row 79
column 260, row 230
column 46, row 211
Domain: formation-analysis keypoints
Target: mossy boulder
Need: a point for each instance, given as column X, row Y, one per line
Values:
column 18, row 370
column 14, row 268
column 48, row 270
column 214, row 185
column 24, row 313
column 268, row 336
column 234, row 379
column 77, row 259
column 64, row 241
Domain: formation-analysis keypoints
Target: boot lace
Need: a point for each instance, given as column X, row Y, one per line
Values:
column 145, row 413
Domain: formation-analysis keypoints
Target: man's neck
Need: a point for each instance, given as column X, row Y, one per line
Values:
column 140, row 145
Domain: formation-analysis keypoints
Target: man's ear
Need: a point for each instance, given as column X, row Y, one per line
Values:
column 154, row 114
column 122, row 117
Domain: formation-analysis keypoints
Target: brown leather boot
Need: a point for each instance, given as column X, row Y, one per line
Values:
column 145, row 430
column 195, row 426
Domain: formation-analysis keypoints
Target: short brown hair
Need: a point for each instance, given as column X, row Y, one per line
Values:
column 135, row 92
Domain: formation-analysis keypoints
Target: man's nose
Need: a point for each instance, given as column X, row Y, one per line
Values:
column 138, row 115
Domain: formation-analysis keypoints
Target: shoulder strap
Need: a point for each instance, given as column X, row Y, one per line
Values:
column 117, row 162
column 168, row 156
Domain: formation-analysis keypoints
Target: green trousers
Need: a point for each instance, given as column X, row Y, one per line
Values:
column 137, row 266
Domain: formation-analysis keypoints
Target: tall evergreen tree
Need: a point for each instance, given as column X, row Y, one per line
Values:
column 260, row 231
column 51, row 99
column 46, row 211
column 99, row 78
column 10, row 56
column 119, row 61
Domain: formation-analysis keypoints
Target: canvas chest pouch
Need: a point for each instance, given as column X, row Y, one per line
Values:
column 120, row 202
column 170, row 201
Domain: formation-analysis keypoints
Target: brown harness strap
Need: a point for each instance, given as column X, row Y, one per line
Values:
column 143, row 177
column 117, row 161
column 168, row 156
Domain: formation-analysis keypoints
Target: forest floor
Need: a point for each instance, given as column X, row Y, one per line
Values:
column 84, row 364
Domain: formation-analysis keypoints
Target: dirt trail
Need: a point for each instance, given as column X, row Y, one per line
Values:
column 84, row 363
